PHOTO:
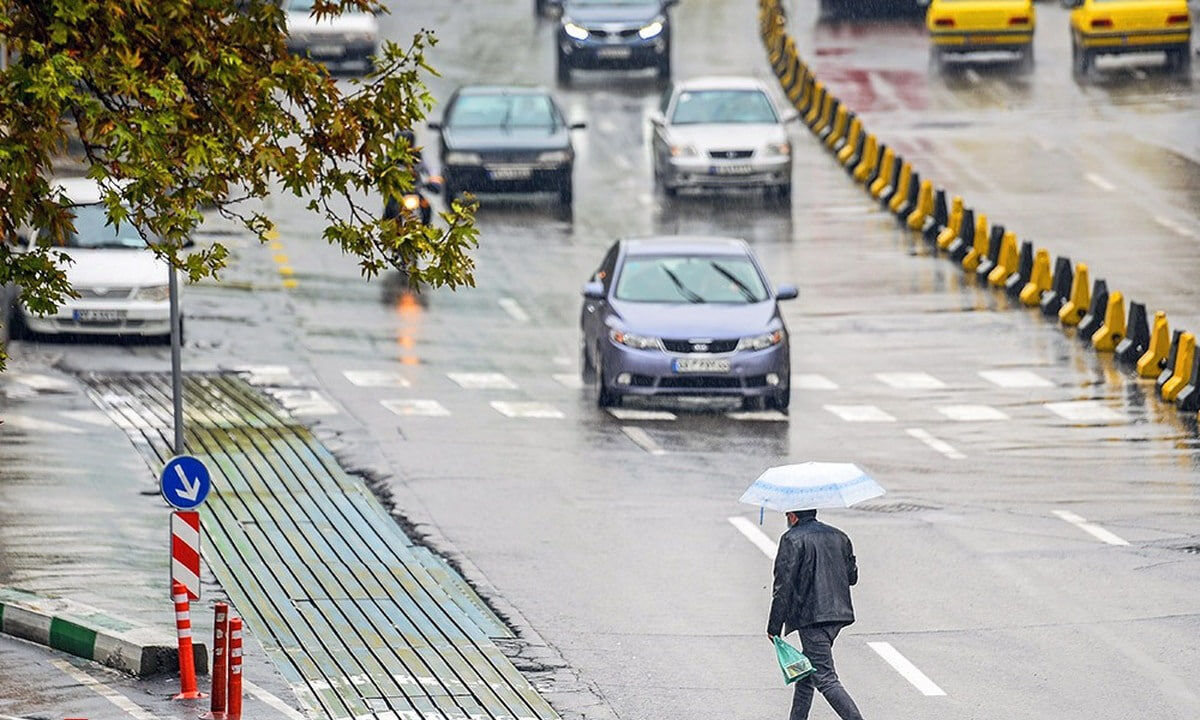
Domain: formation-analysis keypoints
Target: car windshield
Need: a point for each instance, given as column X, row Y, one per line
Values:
column 500, row 110
column 690, row 279
column 92, row 230
column 306, row 7
column 723, row 106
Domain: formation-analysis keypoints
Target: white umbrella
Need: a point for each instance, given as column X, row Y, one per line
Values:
column 811, row 486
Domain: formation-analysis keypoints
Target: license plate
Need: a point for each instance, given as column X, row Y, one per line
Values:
column 327, row 50
column 614, row 53
column 730, row 170
column 701, row 365
column 99, row 315
column 517, row 173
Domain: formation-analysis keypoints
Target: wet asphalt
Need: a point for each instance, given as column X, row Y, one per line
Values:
column 611, row 538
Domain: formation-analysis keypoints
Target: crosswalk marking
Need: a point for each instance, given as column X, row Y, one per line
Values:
column 570, row 380
column 376, row 379
column 757, row 416
column 482, row 380
column 812, row 381
column 266, row 374
column 622, row 413
column 755, row 535
column 910, row 380
column 972, row 413
column 304, row 402
column 34, row 425
column 906, row 669
column 42, row 383
column 539, row 410
column 860, row 413
column 941, row 446
column 642, row 439
column 514, row 309
column 1085, row 411
column 427, row 408
column 1015, row 378
column 91, row 417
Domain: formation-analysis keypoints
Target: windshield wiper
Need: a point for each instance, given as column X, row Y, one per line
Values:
column 684, row 290
column 741, row 286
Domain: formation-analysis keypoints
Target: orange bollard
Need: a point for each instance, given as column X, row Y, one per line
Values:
column 187, row 661
column 233, row 708
column 220, row 663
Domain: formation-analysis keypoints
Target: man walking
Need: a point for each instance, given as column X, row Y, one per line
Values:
column 814, row 569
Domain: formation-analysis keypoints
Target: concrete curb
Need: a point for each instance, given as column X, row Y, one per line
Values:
column 86, row 632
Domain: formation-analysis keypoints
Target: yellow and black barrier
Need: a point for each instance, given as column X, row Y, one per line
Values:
column 1094, row 318
column 1017, row 281
column 1137, row 336
column 1060, row 287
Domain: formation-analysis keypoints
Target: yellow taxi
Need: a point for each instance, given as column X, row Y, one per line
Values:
column 972, row 26
column 1110, row 27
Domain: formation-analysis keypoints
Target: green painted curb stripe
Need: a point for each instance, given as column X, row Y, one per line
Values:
column 72, row 638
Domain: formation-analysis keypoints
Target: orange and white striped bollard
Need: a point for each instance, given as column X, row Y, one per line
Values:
column 233, row 708
column 220, row 664
column 187, row 661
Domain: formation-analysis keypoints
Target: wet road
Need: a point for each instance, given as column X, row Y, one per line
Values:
column 1018, row 463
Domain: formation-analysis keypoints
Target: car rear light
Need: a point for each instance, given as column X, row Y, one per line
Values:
column 1101, row 23
column 1176, row 19
column 943, row 22
column 1019, row 20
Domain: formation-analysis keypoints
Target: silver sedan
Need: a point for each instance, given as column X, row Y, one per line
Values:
column 721, row 132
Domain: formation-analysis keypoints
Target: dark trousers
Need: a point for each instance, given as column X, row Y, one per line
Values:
column 817, row 644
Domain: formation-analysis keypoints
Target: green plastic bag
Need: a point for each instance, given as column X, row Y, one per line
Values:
column 792, row 662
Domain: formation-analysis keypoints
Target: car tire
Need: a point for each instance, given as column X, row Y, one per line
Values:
column 562, row 69
column 663, row 68
column 1179, row 61
column 17, row 329
column 1081, row 58
column 753, row 403
column 937, row 60
column 566, row 192
column 587, row 369
column 782, row 194
column 1026, row 61
column 605, row 398
column 780, row 401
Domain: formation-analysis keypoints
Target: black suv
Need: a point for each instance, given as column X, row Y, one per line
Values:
column 621, row 34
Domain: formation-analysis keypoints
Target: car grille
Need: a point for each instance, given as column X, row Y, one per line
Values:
column 701, row 382
column 709, row 346
column 509, row 158
column 730, row 154
column 116, row 292
column 601, row 34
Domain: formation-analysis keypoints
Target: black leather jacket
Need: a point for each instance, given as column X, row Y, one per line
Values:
column 814, row 569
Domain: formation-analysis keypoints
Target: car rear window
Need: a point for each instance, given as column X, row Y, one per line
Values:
column 497, row 110
column 723, row 106
column 690, row 279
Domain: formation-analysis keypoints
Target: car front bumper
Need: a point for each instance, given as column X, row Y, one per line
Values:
column 651, row 372
column 706, row 173
column 507, row 178
column 102, row 318
column 593, row 54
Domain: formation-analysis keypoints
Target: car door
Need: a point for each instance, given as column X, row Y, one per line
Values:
column 595, row 311
column 659, row 146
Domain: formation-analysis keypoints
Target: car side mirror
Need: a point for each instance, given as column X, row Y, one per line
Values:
column 658, row 119
column 593, row 290
column 786, row 292
column 434, row 124
column 580, row 125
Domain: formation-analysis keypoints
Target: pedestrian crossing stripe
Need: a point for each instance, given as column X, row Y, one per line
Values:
column 813, row 382
column 569, row 380
column 1015, row 378
column 860, row 413
column 424, row 408
column 972, row 413
column 482, row 380
column 910, row 380
column 376, row 379
column 536, row 410
column 1085, row 411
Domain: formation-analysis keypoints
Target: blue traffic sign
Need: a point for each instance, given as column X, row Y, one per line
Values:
column 185, row 482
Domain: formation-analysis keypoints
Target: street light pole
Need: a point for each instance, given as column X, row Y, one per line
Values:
column 176, row 361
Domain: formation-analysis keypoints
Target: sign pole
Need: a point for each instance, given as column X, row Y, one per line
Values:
column 176, row 360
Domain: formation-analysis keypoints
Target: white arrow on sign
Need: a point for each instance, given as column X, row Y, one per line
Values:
column 188, row 491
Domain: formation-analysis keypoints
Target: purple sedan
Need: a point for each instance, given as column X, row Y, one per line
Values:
column 685, row 316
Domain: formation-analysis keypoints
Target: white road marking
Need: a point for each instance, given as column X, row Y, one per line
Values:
column 755, row 535
column 514, row 309
column 860, row 413
column 941, row 446
column 482, row 381
column 538, row 410
column 42, row 383
column 571, row 380
column 972, row 413
column 813, row 382
column 91, row 417
column 1085, row 411
column 621, row 413
column 907, row 670
column 266, row 374
column 1015, row 378
column 103, row 690
column 304, row 402
column 757, row 416
column 424, row 408
column 376, row 379
column 1099, row 182
column 1176, row 227
column 266, row 697
column 1092, row 529
column 910, row 380
column 642, row 439
column 34, row 425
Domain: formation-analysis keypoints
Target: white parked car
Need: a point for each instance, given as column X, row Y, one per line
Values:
column 352, row 37
column 122, row 285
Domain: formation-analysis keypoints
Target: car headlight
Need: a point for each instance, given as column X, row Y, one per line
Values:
column 463, row 158
column 783, row 148
column 638, row 342
column 683, row 151
column 576, row 31
column 761, row 342
column 153, row 293
column 412, row 202
column 555, row 156
column 651, row 30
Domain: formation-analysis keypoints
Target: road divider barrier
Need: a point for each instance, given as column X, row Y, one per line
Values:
column 1137, row 336
column 1006, row 263
column 1112, row 330
column 1168, row 365
column 1181, row 369
column 923, row 212
column 950, row 232
column 852, row 144
column 856, row 153
column 909, row 200
column 1024, row 270
column 1060, row 287
column 938, row 219
column 1076, row 306
column 837, row 131
column 979, row 241
column 220, row 663
column 870, row 157
column 234, row 704
column 1094, row 318
column 183, row 627
column 814, row 108
column 899, row 191
column 966, row 237
column 987, row 263
column 1039, row 279
column 1188, row 398
column 1150, row 364
column 885, row 173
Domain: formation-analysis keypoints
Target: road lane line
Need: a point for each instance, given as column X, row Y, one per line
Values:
column 103, row 690
column 1092, row 529
column 755, row 535
column 941, row 446
column 907, row 670
column 860, row 413
column 514, row 309
column 1100, row 182
column 642, row 439
column 1170, row 224
column 272, row 700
